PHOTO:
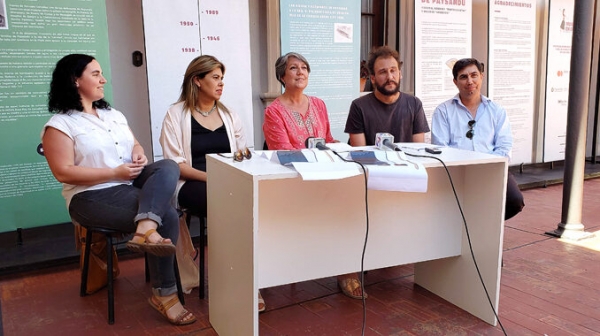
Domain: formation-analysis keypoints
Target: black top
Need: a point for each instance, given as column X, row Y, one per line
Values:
column 402, row 119
column 205, row 141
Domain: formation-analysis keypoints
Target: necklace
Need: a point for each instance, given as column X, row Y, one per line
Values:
column 206, row 114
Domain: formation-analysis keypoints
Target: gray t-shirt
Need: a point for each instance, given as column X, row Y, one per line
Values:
column 402, row 118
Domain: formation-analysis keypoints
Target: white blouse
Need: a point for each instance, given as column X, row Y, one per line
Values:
column 105, row 141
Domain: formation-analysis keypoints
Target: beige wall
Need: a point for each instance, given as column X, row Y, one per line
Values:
column 129, row 83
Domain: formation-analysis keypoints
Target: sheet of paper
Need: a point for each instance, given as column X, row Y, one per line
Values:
column 395, row 171
column 407, row 178
column 340, row 147
column 400, row 174
column 311, row 171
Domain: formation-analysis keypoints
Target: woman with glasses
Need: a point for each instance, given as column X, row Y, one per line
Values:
column 107, row 181
column 294, row 117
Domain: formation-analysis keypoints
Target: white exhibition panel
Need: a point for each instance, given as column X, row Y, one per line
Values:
column 511, row 69
column 442, row 36
column 225, row 34
column 176, row 32
column 560, row 36
column 272, row 228
column 169, row 40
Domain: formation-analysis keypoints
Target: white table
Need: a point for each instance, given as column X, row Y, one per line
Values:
column 268, row 227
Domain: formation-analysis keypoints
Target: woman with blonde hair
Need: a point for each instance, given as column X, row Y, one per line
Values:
column 199, row 124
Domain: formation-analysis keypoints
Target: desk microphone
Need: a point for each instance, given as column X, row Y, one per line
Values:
column 386, row 140
column 318, row 143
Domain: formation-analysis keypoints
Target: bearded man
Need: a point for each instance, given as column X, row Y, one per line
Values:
column 386, row 109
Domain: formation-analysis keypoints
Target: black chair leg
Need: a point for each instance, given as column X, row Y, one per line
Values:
column 178, row 282
column 86, row 264
column 188, row 219
column 109, row 270
column 146, row 271
column 202, row 256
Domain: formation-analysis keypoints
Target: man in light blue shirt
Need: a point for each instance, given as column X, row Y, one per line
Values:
column 472, row 121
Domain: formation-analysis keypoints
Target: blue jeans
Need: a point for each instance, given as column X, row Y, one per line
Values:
column 121, row 207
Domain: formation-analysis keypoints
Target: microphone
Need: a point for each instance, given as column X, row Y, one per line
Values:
column 391, row 145
column 318, row 143
column 386, row 140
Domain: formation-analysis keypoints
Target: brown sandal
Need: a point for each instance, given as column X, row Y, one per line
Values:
column 162, row 308
column 348, row 286
column 160, row 249
column 261, row 303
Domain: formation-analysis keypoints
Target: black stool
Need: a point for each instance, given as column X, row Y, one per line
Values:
column 110, row 234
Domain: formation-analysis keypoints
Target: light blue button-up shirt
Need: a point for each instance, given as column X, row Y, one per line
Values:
column 491, row 131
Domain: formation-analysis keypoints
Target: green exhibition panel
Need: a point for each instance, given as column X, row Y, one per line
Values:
column 34, row 35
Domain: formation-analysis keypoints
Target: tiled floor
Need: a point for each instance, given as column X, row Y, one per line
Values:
column 548, row 287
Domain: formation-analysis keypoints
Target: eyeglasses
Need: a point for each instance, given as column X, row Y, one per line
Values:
column 240, row 154
column 470, row 132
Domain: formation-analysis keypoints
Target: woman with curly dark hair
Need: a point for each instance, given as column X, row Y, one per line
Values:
column 107, row 181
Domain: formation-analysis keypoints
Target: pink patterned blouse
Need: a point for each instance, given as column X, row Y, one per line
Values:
column 286, row 129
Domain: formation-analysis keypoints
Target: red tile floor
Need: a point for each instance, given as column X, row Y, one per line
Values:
column 548, row 287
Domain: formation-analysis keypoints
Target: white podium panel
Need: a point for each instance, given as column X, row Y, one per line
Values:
column 268, row 227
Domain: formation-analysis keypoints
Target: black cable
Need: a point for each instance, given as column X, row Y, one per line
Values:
column 362, row 258
column 468, row 236
column 367, row 235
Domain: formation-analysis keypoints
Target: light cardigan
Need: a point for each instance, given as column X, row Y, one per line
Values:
column 176, row 135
